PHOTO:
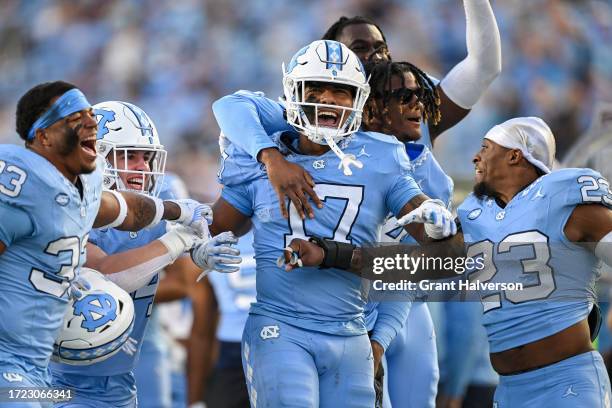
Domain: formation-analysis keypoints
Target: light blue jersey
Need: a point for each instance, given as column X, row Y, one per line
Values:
column 111, row 381
column 44, row 223
column 235, row 292
column 527, row 244
column 330, row 300
column 411, row 364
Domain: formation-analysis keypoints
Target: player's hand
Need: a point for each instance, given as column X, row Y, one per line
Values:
column 439, row 222
column 301, row 253
column 77, row 287
column 195, row 215
column 179, row 239
column 377, row 351
column 217, row 254
column 290, row 180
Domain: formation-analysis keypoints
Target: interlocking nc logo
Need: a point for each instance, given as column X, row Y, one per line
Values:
column 270, row 332
column 12, row 377
column 97, row 309
column 318, row 164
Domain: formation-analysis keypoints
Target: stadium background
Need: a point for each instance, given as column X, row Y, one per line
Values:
column 175, row 57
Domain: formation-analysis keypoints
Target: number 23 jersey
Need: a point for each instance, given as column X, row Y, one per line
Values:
column 525, row 243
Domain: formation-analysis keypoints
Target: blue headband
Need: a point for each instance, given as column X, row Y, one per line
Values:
column 67, row 104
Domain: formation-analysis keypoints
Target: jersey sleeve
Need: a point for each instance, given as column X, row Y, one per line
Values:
column 247, row 119
column 403, row 188
column 15, row 224
column 239, row 198
column 584, row 186
column 391, row 318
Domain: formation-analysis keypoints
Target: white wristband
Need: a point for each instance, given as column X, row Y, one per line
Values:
column 123, row 210
column 159, row 212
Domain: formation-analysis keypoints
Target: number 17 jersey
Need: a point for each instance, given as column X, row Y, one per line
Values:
column 325, row 300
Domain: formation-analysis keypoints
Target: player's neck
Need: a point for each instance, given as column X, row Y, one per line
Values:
column 310, row 148
column 513, row 185
column 57, row 161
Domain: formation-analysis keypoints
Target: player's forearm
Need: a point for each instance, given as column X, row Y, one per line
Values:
column 143, row 211
column 240, row 123
column 468, row 80
column 391, row 319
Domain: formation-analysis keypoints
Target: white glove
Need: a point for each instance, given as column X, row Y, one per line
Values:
column 179, row 239
column 77, row 286
column 438, row 220
column 195, row 215
column 217, row 254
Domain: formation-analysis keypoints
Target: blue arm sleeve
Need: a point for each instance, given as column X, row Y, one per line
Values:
column 239, row 198
column 404, row 188
column 247, row 118
column 462, row 352
column 391, row 318
column 15, row 224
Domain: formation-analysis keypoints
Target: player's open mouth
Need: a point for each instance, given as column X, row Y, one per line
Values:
column 414, row 119
column 328, row 118
column 89, row 146
column 135, row 183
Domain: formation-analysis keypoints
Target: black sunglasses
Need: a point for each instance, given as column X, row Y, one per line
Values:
column 404, row 95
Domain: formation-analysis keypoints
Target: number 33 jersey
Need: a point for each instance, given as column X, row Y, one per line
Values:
column 354, row 209
column 44, row 224
column 525, row 243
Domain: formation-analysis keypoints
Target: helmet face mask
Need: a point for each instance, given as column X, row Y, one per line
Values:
column 324, row 63
column 125, row 130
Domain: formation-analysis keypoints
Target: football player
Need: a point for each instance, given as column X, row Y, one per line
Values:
column 313, row 321
column 128, row 139
column 548, row 230
column 50, row 197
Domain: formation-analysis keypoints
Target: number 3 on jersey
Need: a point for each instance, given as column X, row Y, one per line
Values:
column 353, row 197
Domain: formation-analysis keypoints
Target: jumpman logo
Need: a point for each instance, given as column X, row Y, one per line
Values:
column 362, row 152
column 570, row 392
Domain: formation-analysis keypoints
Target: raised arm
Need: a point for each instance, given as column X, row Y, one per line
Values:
column 461, row 88
column 247, row 119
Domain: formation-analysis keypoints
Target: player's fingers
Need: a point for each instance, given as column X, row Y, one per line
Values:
column 282, row 203
column 309, row 179
column 314, row 197
column 297, row 203
column 306, row 204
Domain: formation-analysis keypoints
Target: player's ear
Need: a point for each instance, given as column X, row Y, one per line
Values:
column 43, row 137
column 515, row 156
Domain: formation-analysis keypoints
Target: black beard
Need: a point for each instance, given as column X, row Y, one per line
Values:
column 71, row 141
column 482, row 190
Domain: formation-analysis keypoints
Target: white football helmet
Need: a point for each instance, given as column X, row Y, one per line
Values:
column 332, row 62
column 125, row 128
column 97, row 325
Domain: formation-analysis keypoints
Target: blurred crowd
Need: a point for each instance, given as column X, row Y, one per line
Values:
column 175, row 57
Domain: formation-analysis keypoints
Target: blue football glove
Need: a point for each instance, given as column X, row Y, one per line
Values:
column 195, row 215
column 439, row 222
column 77, row 286
column 217, row 254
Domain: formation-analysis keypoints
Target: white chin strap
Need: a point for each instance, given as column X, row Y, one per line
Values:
column 346, row 160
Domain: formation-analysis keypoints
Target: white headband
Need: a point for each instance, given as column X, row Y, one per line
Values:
column 531, row 136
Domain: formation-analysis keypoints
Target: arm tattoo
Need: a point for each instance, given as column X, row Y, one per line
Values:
column 141, row 211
